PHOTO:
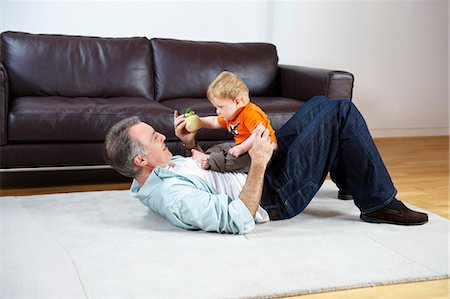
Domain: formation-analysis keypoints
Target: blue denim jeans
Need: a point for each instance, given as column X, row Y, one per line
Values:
column 326, row 136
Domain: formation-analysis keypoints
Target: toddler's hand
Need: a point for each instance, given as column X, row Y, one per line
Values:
column 236, row 151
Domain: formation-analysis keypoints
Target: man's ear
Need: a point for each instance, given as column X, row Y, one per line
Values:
column 140, row 161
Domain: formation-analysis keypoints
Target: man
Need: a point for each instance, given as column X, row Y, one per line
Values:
column 322, row 136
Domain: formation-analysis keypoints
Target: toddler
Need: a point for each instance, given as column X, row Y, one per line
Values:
column 230, row 96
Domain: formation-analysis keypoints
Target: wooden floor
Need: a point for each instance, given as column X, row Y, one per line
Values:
column 419, row 167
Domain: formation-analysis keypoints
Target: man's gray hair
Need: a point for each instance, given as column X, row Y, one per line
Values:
column 120, row 149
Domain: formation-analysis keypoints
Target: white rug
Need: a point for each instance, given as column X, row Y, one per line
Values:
column 107, row 244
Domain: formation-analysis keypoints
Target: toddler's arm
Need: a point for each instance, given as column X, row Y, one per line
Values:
column 210, row 122
column 243, row 147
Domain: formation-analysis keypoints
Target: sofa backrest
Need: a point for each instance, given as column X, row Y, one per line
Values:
column 75, row 66
column 186, row 68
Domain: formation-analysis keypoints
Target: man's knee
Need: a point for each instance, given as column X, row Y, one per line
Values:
column 320, row 98
column 338, row 103
column 342, row 110
column 341, row 103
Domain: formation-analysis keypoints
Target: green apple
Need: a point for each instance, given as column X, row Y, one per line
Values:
column 193, row 122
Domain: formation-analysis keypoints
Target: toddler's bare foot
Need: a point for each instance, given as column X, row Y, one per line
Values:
column 204, row 164
column 201, row 158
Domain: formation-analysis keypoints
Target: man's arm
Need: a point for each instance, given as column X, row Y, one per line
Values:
column 192, row 204
column 260, row 154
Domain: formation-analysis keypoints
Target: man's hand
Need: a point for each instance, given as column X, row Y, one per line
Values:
column 179, row 123
column 262, row 148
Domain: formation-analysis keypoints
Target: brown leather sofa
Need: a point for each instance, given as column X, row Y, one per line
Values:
column 60, row 94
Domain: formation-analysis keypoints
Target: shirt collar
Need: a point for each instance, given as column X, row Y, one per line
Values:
column 239, row 111
column 154, row 179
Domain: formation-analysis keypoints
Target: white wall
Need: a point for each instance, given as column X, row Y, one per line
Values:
column 197, row 20
column 397, row 50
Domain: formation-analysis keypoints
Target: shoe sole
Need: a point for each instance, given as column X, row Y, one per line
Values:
column 376, row 220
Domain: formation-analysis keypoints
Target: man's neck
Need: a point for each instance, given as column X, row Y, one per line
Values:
column 142, row 177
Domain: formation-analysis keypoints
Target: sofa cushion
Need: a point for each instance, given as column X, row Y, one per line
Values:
column 186, row 68
column 75, row 66
column 61, row 119
column 278, row 110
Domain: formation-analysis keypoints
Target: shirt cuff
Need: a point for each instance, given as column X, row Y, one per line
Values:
column 241, row 216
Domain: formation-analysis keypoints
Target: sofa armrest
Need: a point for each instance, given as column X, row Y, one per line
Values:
column 304, row 82
column 4, row 98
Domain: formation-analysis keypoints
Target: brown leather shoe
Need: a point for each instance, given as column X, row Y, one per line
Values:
column 404, row 216
column 345, row 195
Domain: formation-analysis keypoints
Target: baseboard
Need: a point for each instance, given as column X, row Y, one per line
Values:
column 56, row 168
column 409, row 132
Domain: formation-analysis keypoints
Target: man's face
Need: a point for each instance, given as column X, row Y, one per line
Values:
column 225, row 108
column 153, row 143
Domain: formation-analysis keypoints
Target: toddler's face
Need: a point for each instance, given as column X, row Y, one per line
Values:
column 225, row 108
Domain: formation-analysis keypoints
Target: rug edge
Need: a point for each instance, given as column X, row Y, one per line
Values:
column 348, row 287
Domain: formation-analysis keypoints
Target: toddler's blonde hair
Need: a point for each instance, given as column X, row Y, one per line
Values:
column 228, row 86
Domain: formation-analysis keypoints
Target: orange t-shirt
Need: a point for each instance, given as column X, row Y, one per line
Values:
column 245, row 121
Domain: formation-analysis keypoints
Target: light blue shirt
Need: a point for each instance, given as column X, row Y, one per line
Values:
column 187, row 201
